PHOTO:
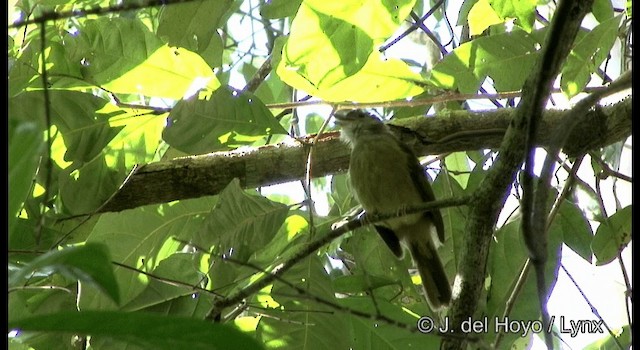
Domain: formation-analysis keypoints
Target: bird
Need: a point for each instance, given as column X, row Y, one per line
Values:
column 386, row 176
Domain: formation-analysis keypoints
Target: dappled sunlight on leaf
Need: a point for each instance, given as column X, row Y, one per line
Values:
column 223, row 121
column 331, row 52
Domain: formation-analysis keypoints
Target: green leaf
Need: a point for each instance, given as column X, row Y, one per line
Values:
column 345, row 51
column 240, row 225
column 612, row 154
column 407, row 112
column 151, row 331
column 123, row 56
column 177, row 267
column 195, row 305
column 139, row 139
column 378, row 80
column 85, row 189
column 227, row 119
column 272, row 89
column 576, row 230
column 613, row 234
column 602, row 10
column 275, row 9
column 80, row 117
column 24, row 72
column 587, row 55
column 312, row 123
column 506, row 58
column 142, row 238
column 300, row 322
column 465, row 8
column 331, row 52
column 373, row 258
column 25, row 146
column 370, row 334
column 523, row 11
column 481, row 16
column 192, row 26
column 455, row 218
column 24, row 236
column 341, row 195
column 608, row 342
column 458, row 164
column 88, row 264
column 359, row 283
column 507, row 257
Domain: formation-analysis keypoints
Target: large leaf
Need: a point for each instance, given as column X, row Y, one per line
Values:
column 576, row 230
column 24, row 70
column 85, row 189
column 279, row 8
column 25, row 145
column 455, row 218
column 240, row 225
column 587, row 55
column 506, row 58
column 300, row 323
column 331, row 52
column 372, row 334
column 613, row 234
column 602, row 10
column 139, row 139
column 378, row 80
column 458, row 163
column 177, row 267
column 524, row 11
column 23, row 303
column 123, row 56
column 226, row 119
column 89, row 264
column 81, row 118
column 481, row 16
column 192, row 25
column 151, row 331
column 488, row 12
column 506, row 259
column 141, row 238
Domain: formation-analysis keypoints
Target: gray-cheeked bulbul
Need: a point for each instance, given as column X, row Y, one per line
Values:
column 386, row 177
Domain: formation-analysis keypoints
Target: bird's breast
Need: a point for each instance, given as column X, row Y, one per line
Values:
column 381, row 179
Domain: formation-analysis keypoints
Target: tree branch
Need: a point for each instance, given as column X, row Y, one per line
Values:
column 202, row 175
column 317, row 243
column 490, row 197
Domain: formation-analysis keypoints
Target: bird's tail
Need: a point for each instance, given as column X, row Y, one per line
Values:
column 434, row 279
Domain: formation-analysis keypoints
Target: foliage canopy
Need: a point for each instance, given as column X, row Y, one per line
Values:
column 134, row 82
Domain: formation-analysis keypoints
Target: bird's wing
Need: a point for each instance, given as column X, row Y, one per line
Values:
column 422, row 185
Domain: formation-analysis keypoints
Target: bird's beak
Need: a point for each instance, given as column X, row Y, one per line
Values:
column 342, row 117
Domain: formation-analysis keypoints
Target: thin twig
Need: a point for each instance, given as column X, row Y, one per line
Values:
column 47, row 121
column 123, row 6
column 374, row 317
column 566, row 191
column 444, row 97
column 88, row 217
column 627, row 283
column 593, row 308
column 259, row 76
column 166, row 280
column 606, row 169
column 413, row 27
column 312, row 246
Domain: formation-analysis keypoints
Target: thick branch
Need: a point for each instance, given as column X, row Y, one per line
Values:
column 202, row 175
column 491, row 195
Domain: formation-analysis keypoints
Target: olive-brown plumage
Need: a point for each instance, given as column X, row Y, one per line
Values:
column 386, row 177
